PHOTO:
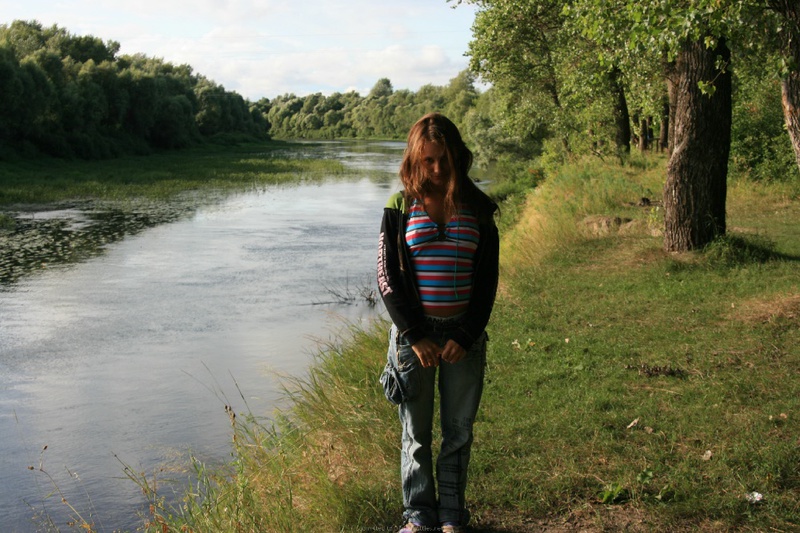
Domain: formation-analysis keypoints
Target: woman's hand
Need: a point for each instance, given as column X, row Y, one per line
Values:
column 453, row 352
column 428, row 352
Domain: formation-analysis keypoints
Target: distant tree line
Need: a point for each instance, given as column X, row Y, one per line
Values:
column 75, row 96
column 383, row 113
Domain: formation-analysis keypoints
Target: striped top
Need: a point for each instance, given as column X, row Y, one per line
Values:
column 442, row 258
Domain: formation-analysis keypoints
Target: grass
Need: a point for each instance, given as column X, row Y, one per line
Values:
column 627, row 388
column 336, row 437
column 155, row 177
column 582, row 325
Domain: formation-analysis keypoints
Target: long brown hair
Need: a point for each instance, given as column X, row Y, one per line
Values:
column 436, row 128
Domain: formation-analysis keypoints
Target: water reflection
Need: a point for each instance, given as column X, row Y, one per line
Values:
column 373, row 155
column 46, row 238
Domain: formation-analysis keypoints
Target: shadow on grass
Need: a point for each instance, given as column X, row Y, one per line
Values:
column 740, row 250
column 735, row 251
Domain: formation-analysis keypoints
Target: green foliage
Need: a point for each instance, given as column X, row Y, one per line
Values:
column 659, row 28
column 384, row 113
column 513, row 178
column 521, row 47
column 614, row 493
column 72, row 96
column 494, row 132
column 760, row 148
column 550, row 79
column 550, row 64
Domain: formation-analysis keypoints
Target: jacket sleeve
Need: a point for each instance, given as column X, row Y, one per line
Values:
column 399, row 299
column 484, row 288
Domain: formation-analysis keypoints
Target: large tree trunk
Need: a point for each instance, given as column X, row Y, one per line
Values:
column 696, row 187
column 622, row 120
column 790, row 87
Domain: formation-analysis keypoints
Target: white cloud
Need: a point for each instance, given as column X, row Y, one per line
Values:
column 263, row 48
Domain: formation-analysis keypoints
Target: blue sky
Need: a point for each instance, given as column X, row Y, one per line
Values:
column 264, row 48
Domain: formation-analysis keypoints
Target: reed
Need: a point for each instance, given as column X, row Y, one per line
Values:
column 327, row 464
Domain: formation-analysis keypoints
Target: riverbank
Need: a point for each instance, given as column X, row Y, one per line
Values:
column 29, row 184
column 626, row 388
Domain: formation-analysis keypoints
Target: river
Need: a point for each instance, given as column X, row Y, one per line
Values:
column 131, row 353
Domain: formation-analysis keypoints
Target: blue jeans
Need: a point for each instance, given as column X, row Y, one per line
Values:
column 460, row 388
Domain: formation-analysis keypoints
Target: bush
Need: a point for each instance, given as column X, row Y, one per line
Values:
column 514, row 177
column 760, row 147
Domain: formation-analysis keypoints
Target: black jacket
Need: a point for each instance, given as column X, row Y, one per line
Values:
column 396, row 277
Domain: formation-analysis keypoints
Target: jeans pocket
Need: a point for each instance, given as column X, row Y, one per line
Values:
column 400, row 376
column 391, row 385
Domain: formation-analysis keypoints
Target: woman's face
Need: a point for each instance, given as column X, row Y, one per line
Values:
column 437, row 167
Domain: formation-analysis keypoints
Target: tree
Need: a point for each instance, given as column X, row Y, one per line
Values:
column 24, row 37
column 491, row 134
column 382, row 88
column 461, row 96
column 71, row 95
column 517, row 46
column 761, row 150
column 691, row 37
column 696, row 188
column 789, row 25
column 549, row 75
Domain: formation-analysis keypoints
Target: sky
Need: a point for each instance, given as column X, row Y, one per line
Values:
column 266, row 48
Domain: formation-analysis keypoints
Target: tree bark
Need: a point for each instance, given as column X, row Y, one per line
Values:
column 663, row 137
column 672, row 104
column 622, row 120
column 790, row 90
column 644, row 140
column 790, row 86
column 696, row 186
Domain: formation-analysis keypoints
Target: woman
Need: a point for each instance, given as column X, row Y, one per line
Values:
column 437, row 273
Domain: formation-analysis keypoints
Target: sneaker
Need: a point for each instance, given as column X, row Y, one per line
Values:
column 449, row 528
column 411, row 527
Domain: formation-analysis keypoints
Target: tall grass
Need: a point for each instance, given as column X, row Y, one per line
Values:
column 327, row 465
column 555, row 211
column 626, row 389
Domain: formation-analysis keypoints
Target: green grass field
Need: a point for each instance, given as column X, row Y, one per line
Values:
column 627, row 388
